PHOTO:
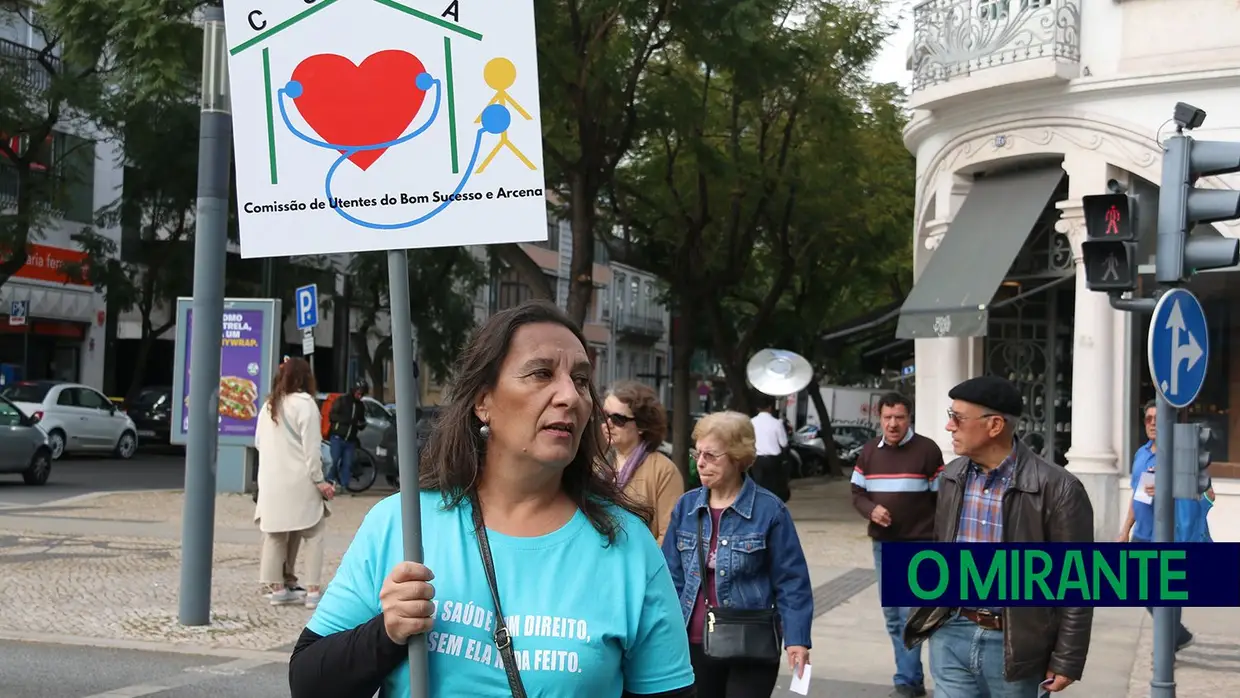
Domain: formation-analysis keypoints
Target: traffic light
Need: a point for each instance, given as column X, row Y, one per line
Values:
column 1181, row 205
column 1191, row 461
column 1109, row 250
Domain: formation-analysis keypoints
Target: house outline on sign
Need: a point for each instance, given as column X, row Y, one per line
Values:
column 449, row 80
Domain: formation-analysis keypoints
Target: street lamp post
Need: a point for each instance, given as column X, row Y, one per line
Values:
column 210, row 252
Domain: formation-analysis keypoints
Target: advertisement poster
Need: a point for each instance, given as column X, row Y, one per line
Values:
column 243, row 371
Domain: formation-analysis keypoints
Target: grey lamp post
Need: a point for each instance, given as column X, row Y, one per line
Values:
column 210, row 253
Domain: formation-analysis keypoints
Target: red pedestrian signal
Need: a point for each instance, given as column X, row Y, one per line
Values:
column 1110, row 217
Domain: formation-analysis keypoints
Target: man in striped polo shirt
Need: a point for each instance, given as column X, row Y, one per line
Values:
column 893, row 486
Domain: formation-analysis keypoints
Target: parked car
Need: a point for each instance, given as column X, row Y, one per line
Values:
column 77, row 418
column 24, row 448
column 378, row 419
column 151, row 412
column 849, row 438
column 385, row 454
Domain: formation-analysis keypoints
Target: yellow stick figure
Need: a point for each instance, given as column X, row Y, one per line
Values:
column 499, row 75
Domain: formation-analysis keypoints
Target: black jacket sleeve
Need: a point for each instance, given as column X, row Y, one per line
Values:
column 348, row 664
column 354, row 663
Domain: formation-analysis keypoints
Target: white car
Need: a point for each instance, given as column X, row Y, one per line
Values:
column 77, row 418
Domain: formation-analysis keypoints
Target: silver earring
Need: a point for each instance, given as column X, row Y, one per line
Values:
column 484, row 431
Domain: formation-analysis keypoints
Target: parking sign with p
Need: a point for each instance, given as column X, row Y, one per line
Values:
column 307, row 303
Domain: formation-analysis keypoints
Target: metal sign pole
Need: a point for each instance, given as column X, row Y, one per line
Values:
column 210, row 254
column 1162, row 681
column 407, row 443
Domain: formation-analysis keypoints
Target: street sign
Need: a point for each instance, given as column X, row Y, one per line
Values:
column 19, row 311
column 1179, row 347
column 307, row 341
column 307, row 303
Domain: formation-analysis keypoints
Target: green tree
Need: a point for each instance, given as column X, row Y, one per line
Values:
column 756, row 147
column 44, row 100
column 158, row 133
column 592, row 58
column 442, row 284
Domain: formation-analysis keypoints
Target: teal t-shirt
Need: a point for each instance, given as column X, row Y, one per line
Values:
column 587, row 619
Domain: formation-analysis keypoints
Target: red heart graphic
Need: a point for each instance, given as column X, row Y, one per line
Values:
column 349, row 104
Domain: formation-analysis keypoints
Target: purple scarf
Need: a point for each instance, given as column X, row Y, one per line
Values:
column 630, row 466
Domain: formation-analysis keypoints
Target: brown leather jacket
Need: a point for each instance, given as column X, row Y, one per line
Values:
column 1045, row 503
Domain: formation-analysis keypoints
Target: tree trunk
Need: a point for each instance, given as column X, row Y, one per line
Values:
column 734, row 375
column 581, row 268
column 145, row 344
column 24, row 217
column 682, row 361
column 824, row 429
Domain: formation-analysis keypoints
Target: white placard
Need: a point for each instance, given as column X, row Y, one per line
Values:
column 307, row 341
column 1146, row 480
column 800, row 684
column 384, row 124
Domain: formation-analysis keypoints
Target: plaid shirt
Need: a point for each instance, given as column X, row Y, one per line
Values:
column 981, row 507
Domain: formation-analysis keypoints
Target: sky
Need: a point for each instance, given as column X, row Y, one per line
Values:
column 889, row 66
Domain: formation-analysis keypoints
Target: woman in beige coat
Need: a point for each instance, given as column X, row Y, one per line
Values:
column 636, row 425
column 292, row 493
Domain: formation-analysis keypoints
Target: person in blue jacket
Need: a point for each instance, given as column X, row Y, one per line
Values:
column 1190, row 516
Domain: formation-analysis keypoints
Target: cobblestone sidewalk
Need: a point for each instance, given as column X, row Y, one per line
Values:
column 127, row 589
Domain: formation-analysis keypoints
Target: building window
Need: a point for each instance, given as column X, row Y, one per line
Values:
column 619, row 287
column 603, row 302
column 69, row 161
column 512, row 294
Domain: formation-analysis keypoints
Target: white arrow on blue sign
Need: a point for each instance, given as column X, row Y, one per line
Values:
column 1179, row 347
column 307, row 303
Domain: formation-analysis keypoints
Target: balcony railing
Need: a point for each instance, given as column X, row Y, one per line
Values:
column 22, row 62
column 956, row 38
column 636, row 324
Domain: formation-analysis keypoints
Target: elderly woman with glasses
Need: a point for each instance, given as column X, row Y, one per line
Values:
column 738, row 566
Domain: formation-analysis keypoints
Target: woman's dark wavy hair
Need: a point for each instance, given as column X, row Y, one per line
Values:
column 455, row 454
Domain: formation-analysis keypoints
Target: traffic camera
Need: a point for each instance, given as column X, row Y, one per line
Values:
column 1181, row 205
column 1191, row 461
column 1109, row 251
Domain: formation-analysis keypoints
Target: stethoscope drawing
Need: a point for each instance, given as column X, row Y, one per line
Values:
column 495, row 120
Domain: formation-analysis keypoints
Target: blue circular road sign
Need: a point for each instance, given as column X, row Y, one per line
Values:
column 1179, row 347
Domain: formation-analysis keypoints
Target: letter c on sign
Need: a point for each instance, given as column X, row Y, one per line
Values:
column 255, row 22
column 944, row 578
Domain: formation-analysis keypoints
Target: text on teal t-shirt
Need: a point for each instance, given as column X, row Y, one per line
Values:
column 585, row 618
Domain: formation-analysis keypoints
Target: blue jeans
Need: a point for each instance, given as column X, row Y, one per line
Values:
column 966, row 661
column 908, row 662
column 342, row 451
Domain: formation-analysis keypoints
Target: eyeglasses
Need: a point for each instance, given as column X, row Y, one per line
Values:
column 956, row 418
column 620, row 421
column 1151, row 418
column 705, row 456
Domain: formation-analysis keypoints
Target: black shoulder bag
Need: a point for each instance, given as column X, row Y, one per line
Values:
column 503, row 639
column 733, row 633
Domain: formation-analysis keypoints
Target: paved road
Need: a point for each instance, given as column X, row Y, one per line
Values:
column 36, row 670
column 75, row 476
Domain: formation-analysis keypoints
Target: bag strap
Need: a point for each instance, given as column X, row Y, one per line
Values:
column 291, row 431
column 503, row 639
column 702, row 543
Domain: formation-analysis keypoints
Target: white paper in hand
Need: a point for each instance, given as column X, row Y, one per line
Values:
column 1147, row 479
column 800, row 684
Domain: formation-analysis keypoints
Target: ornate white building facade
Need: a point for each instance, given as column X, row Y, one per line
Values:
column 1021, row 108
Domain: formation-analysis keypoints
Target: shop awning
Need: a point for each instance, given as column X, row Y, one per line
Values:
column 953, row 293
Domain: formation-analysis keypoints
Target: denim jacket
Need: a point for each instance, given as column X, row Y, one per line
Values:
column 766, row 566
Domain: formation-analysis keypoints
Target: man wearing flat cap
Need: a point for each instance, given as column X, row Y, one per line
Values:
column 999, row 491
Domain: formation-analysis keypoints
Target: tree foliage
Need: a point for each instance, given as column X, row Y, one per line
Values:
column 442, row 284
column 592, row 60
column 754, row 181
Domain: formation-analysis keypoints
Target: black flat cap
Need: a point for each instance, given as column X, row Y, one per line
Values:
column 994, row 393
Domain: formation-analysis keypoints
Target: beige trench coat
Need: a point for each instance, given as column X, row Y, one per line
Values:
column 290, row 466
